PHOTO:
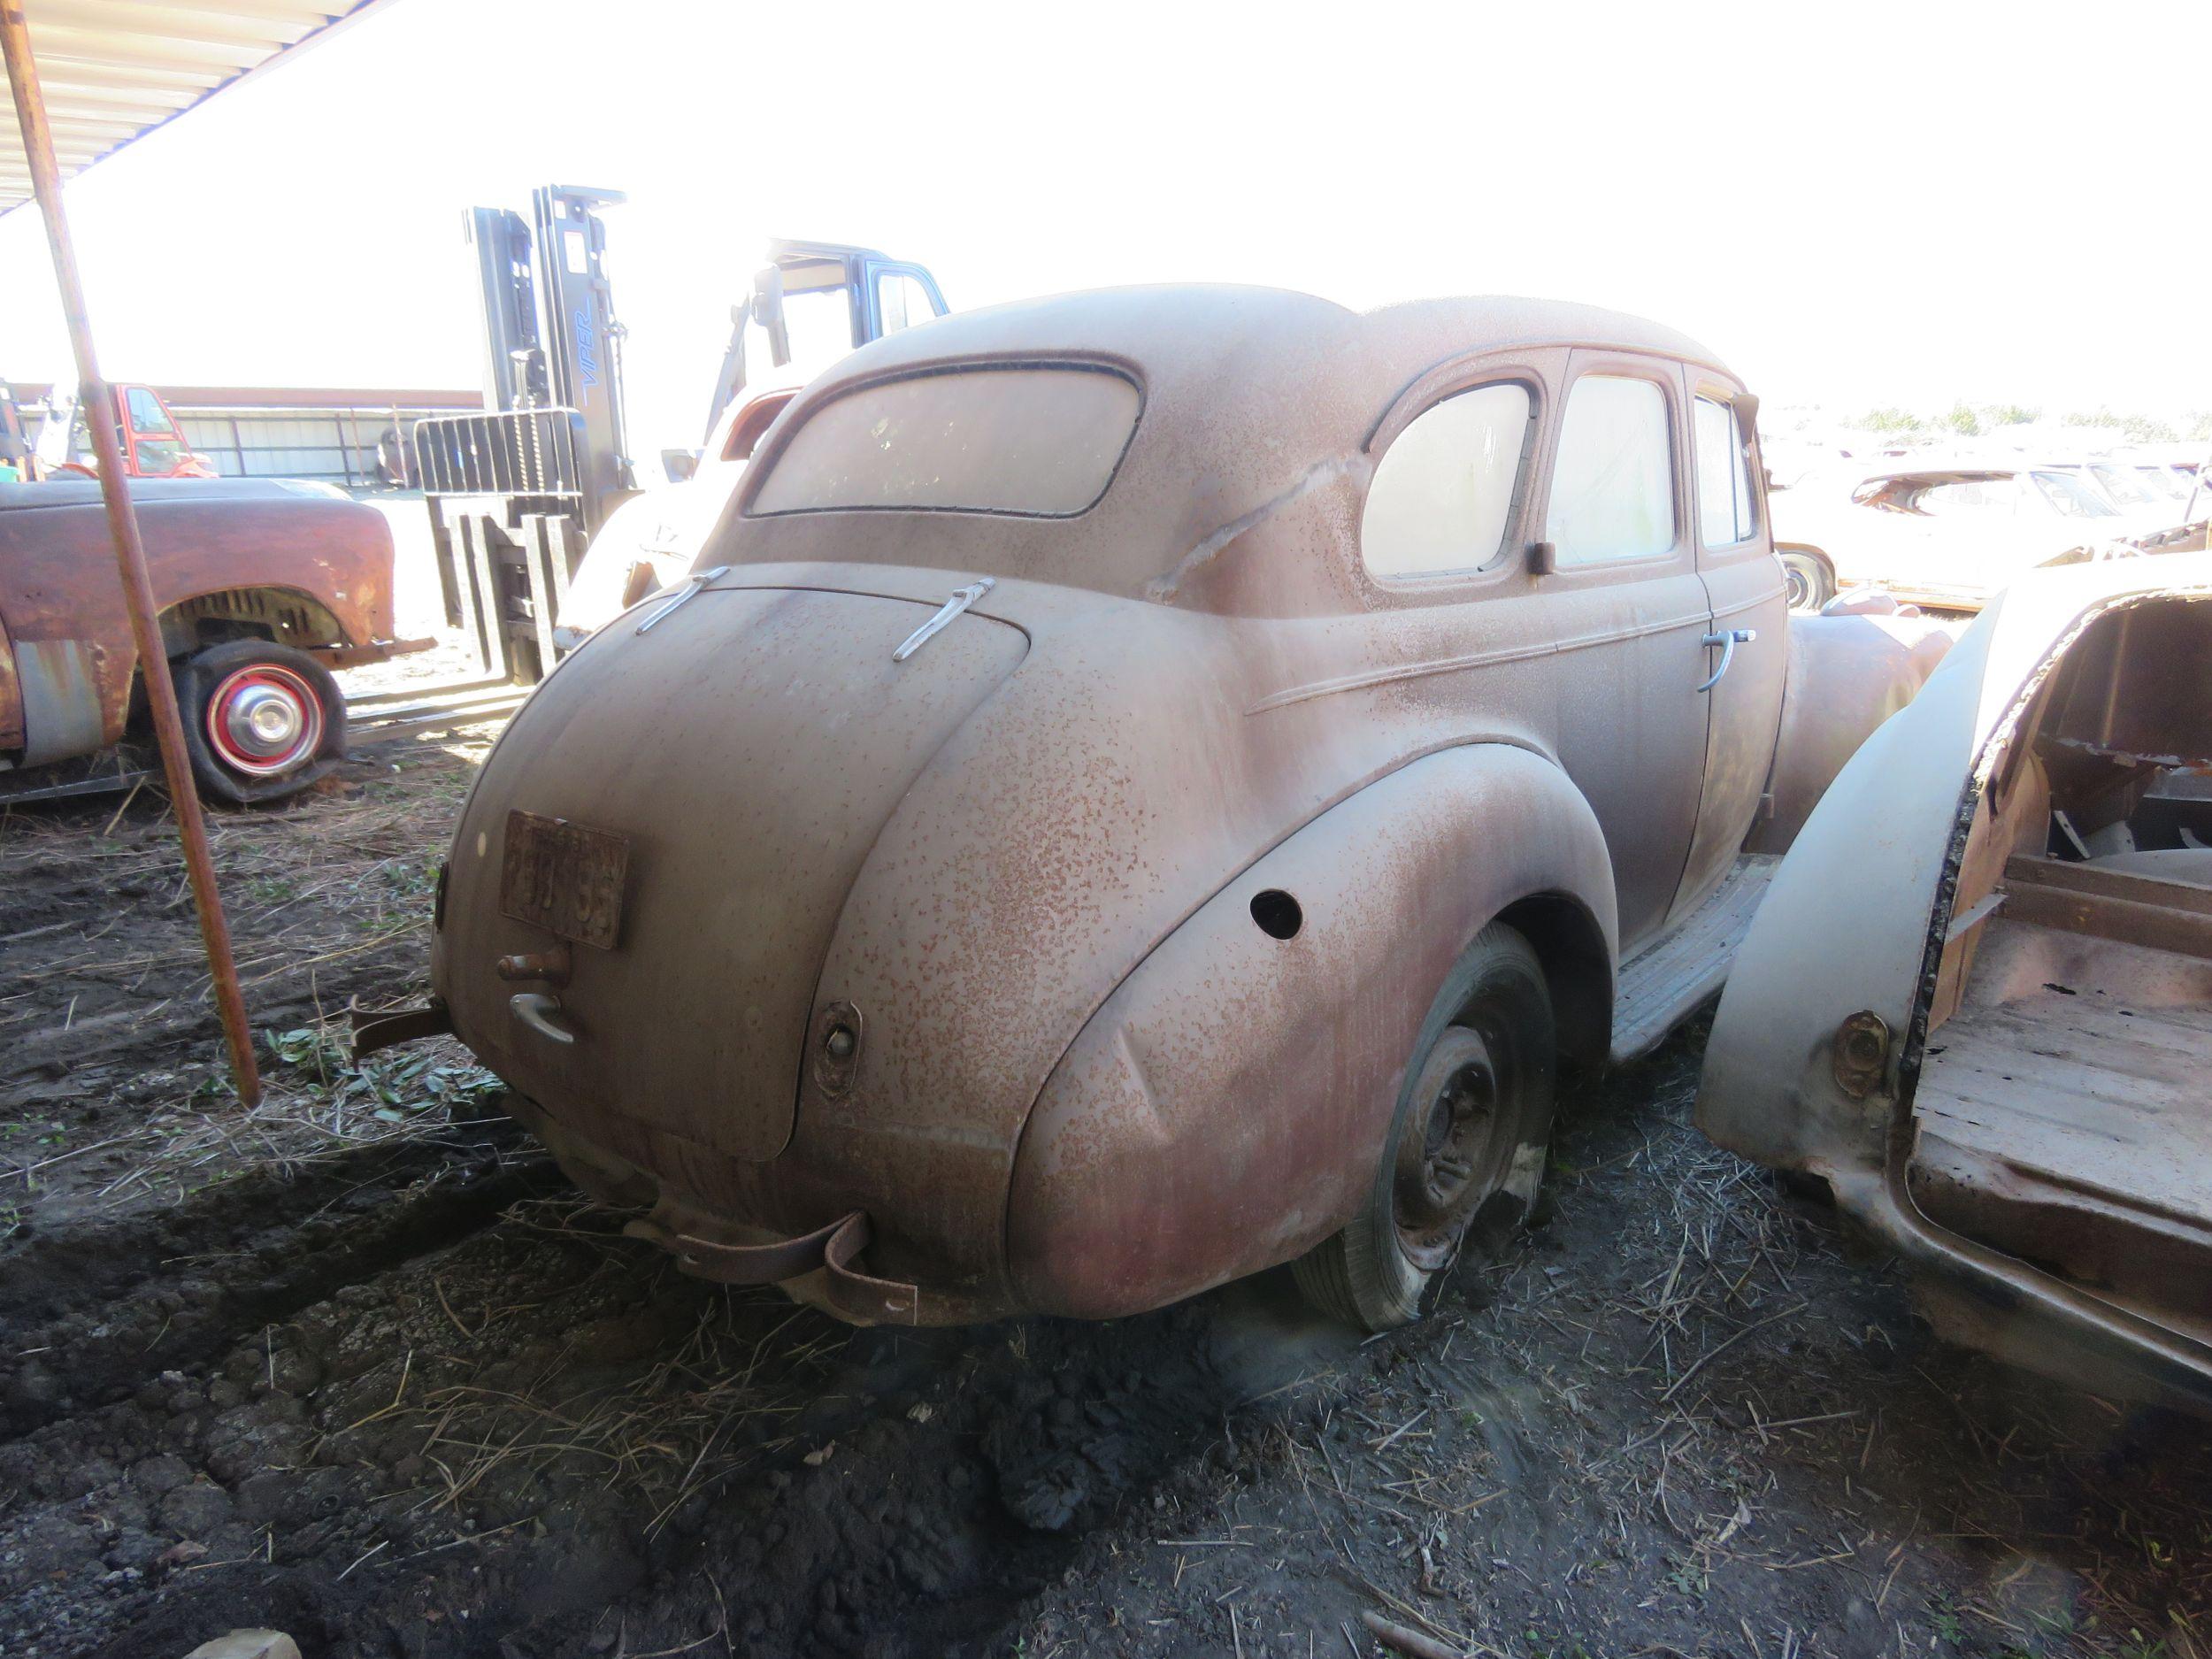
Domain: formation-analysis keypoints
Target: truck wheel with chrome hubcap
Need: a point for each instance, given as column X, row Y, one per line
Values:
column 259, row 719
column 1465, row 1152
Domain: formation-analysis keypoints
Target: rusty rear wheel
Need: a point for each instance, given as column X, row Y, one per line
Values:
column 1465, row 1153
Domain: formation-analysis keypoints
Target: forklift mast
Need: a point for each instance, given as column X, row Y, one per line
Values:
column 583, row 341
column 515, row 493
column 514, row 362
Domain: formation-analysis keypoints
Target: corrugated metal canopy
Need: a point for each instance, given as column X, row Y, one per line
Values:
column 114, row 69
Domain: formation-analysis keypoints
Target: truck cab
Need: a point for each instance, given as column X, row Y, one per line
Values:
column 153, row 444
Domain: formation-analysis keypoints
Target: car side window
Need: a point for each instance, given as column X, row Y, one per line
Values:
column 1727, row 511
column 1612, row 493
column 1443, row 492
column 1970, row 496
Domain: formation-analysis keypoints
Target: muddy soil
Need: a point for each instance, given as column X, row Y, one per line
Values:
column 360, row 1366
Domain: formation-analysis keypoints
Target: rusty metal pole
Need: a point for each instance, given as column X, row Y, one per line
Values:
column 130, row 552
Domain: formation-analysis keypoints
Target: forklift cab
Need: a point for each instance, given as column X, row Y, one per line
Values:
column 812, row 303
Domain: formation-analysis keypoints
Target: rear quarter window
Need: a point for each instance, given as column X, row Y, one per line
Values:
column 1029, row 441
column 1444, row 492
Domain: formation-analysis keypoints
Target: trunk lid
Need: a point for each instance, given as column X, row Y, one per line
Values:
column 748, row 750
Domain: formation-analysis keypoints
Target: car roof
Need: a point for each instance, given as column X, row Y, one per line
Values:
column 1252, row 397
column 1154, row 329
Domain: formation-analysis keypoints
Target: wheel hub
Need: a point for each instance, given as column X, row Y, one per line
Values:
column 265, row 719
column 1459, row 1157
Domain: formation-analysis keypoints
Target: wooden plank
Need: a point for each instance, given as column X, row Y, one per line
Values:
column 2087, row 1090
column 2158, row 924
column 2094, row 882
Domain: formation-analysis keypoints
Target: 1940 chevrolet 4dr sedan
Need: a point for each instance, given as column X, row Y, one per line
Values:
column 1145, row 785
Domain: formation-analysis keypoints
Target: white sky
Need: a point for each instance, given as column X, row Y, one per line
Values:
column 1852, row 204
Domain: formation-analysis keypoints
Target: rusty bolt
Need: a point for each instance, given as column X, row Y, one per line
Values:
column 1861, row 1053
column 841, row 1043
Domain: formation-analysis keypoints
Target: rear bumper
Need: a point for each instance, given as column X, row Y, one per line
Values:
column 819, row 1266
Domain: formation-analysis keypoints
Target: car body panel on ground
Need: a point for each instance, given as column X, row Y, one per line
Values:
column 1975, row 1000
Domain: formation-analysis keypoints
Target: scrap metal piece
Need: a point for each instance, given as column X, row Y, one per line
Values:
column 372, row 1032
column 962, row 598
column 859, row 1295
column 740, row 1264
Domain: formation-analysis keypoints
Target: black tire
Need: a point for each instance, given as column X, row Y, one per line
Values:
column 1811, row 583
column 1465, row 1153
column 216, row 689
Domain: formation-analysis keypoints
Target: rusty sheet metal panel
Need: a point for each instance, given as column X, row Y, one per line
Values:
column 67, row 707
column 57, row 584
column 748, row 750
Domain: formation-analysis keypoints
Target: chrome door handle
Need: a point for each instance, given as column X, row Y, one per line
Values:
column 962, row 598
column 693, row 583
column 1728, row 640
column 535, row 1010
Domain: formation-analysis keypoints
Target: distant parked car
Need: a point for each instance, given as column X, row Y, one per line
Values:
column 1142, row 787
column 2160, row 491
column 1944, row 536
column 265, row 588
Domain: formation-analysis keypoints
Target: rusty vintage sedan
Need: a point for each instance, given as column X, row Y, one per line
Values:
column 1144, row 786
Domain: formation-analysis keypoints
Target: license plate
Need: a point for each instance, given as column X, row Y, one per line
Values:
column 563, row 878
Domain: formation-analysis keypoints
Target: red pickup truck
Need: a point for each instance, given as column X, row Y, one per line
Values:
column 264, row 587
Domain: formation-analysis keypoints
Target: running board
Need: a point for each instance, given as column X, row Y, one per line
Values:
column 1665, row 982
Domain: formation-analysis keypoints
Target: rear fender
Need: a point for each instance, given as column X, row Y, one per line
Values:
column 1223, row 1109
column 1847, row 675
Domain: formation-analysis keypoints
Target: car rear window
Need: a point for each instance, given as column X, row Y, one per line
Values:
column 1032, row 442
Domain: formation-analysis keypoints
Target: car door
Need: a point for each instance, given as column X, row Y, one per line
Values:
column 1631, row 613
column 1750, row 613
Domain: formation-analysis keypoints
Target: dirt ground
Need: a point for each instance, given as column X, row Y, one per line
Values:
column 359, row 1364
